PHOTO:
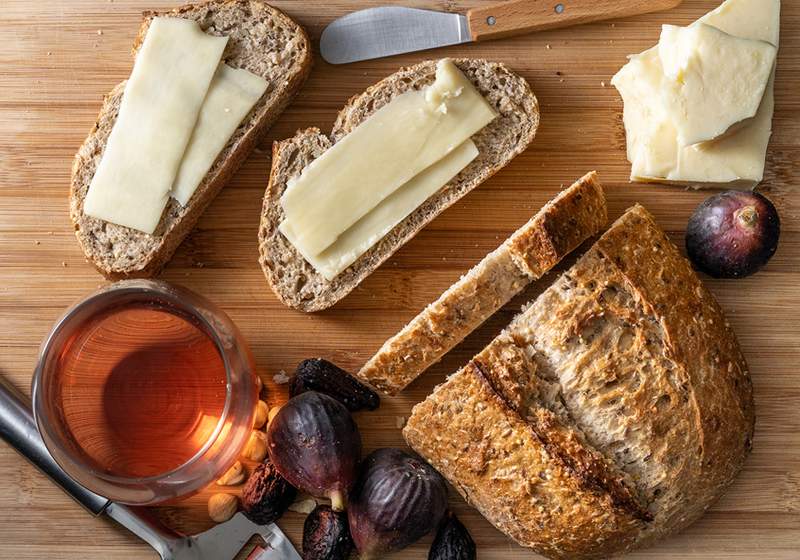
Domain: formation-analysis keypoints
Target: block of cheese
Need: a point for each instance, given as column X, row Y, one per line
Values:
column 379, row 221
column 397, row 142
column 231, row 95
column 736, row 160
column 158, row 112
column 712, row 80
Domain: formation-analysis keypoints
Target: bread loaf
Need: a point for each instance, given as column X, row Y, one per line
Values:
column 614, row 410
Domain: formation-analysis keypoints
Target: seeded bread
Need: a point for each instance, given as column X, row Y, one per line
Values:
column 576, row 214
column 295, row 281
column 623, row 380
column 263, row 41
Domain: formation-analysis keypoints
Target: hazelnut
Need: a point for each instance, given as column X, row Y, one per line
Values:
column 256, row 448
column 233, row 476
column 272, row 412
column 262, row 409
column 222, row 507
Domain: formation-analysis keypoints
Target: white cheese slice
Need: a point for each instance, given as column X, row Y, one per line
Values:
column 372, row 227
column 712, row 80
column 231, row 95
column 736, row 160
column 158, row 111
column 388, row 149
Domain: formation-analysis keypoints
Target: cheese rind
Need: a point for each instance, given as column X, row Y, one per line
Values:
column 231, row 95
column 159, row 109
column 712, row 80
column 372, row 227
column 393, row 145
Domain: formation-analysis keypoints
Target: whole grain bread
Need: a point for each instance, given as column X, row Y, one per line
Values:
column 623, row 379
column 577, row 213
column 294, row 280
column 262, row 40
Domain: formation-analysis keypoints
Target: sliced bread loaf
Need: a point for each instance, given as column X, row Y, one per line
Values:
column 624, row 380
column 565, row 222
column 263, row 41
column 294, row 280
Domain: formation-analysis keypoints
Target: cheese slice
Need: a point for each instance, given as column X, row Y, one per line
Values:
column 372, row 227
column 231, row 95
column 387, row 150
column 736, row 160
column 158, row 111
column 712, row 80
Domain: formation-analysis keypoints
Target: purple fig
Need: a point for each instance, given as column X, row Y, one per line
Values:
column 397, row 500
column 315, row 444
column 733, row 234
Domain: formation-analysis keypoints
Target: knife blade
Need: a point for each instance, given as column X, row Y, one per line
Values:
column 389, row 30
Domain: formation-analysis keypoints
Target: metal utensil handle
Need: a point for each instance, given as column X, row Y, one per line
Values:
column 18, row 428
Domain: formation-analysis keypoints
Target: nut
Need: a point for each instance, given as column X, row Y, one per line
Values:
column 272, row 412
column 222, row 507
column 233, row 476
column 256, row 448
column 262, row 409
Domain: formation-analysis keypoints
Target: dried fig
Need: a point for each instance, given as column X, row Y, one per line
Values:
column 452, row 541
column 326, row 535
column 324, row 377
column 266, row 494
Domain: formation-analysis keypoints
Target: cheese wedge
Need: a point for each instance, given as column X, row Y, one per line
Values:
column 162, row 100
column 392, row 146
column 736, row 160
column 371, row 228
column 231, row 95
column 712, row 80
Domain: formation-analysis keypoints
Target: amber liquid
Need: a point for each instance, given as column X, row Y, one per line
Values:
column 142, row 390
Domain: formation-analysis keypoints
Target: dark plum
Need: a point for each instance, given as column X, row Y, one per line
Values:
column 321, row 375
column 397, row 500
column 733, row 234
column 452, row 541
column 326, row 535
column 315, row 444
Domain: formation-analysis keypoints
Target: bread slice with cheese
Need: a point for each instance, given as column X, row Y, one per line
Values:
column 263, row 41
column 565, row 222
column 295, row 281
column 614, row 410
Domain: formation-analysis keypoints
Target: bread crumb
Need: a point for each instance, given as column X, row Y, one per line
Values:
column 49, row 53
column 281, row 378
column 602, row 84
column 547, row 46
column 37, row 242
column 99, row 31
column 400, row 422
column 64, row 264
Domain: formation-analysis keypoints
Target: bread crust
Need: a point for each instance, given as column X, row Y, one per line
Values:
column 118, row 252
column 294, row 281
column 630, row 377
column 577, row 213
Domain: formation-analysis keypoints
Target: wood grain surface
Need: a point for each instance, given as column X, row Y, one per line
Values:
column 59, row 57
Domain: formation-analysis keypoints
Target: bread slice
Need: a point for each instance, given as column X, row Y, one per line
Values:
column 623, row 380
column 263, row 41
column 295, row 281
column 565, row 222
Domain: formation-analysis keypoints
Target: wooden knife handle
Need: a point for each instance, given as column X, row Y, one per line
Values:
column 517, row 17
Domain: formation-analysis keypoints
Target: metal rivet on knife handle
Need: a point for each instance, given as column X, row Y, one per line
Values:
column 516, row 17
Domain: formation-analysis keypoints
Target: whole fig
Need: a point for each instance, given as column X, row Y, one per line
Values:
column 398, row 499
column 266, row 494
column 315, row 444
column 323, row 376
column 452, row 541
column 326, row 535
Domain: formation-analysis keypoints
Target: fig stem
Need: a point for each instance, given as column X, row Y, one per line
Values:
column 747, row 216
column 338, row 502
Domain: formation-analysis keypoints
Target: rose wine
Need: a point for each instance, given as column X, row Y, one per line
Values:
column 142, row 389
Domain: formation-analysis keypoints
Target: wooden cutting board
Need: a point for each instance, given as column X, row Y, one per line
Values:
column 59, row 57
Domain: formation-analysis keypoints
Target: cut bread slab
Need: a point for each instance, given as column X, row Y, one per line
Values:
column 262, row 40
column 565, row 222
column 296, row 283
column 623, row 402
